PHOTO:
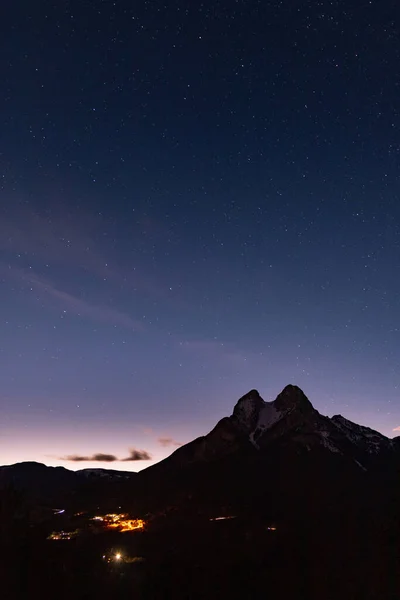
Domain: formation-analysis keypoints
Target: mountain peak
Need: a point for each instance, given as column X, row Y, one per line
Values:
column 340, row 418
column 247, row 409
column 292, row 397
column 251, row 408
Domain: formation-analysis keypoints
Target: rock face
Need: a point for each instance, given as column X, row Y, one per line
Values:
column 247, row 410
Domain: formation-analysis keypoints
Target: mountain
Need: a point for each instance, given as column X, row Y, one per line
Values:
column 282, row 457
column 36, row 478
column 279, row 455
column 45, row 485
column 315, row 502
column 105, row 474
column 290, row 421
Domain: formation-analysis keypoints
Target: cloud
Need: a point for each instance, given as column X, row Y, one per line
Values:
column 134, row 455
column 216, row 350
column 70, row 303
column 76, row 242
column 62, row 238
column 396, row 429
column 137, row 455
column 148, row 431
column 81, row 307
column 99, row 457
column 166, row 442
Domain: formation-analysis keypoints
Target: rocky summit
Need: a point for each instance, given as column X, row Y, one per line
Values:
column 290, row 422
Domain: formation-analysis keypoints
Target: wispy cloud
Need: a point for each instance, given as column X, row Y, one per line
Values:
column 99, row 457
column 397, row 428
column 81, row 307
column 216, row 350
column 61, row 239
column 75, row 242
column 167, row 442
column 148, row 431
column 70, row 303
column 135, row 454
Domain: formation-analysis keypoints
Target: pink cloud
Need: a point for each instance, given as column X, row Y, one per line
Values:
column 396, row 429
column 148, row 431
column 135, row 454
column 166, row 442
column 98, row 457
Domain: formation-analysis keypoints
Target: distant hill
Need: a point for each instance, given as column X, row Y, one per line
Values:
column 45, row 485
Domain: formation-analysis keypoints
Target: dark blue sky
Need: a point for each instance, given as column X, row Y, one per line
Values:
column 195, row 200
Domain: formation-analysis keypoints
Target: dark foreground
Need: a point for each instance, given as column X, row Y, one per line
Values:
column 193, row 559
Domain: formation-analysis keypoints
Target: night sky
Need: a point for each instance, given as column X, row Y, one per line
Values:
column 196, row 199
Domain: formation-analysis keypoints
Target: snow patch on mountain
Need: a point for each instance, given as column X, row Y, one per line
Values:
column 327, row 442
column 292, row 416
column 104, row 474
column 358, row 434
column 360, row 465
column 268, row 416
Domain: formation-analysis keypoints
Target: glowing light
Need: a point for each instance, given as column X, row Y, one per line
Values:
column 118, row 556
column 120, row 522
column 63, row 535
column 130, row 524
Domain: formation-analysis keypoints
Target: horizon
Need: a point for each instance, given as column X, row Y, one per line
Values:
column 136, row 466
